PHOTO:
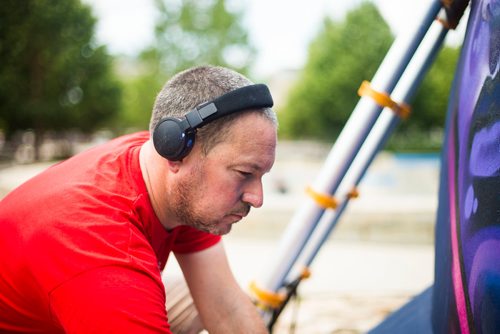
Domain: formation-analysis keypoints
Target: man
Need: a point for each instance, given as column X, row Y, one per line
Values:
column 83, row 244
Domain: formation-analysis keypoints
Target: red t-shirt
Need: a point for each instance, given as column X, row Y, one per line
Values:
column 81, row 250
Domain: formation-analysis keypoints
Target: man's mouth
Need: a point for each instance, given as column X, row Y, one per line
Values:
column 240, row 214
column 237, row 216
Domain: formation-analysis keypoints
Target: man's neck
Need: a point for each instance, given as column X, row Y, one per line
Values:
column 151, row 168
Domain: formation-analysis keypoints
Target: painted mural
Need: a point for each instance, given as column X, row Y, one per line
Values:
column 466, row 293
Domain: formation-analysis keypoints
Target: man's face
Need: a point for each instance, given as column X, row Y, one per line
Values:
column 218, row 189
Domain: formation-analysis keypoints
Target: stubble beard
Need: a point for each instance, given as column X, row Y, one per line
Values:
column 185, row 211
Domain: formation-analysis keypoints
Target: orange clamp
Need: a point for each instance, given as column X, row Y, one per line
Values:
column 267, row 299
column 354, row 193
column 384, row 100
column 323, row 200
column 306, row 273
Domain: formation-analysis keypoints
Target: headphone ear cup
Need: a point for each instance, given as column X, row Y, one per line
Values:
column 187, row 145
column 170, row 141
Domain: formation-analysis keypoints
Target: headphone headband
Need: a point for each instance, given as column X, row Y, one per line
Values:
column 173, row 138
column 244, row 98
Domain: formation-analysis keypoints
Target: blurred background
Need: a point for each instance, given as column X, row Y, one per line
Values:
column 77, row 73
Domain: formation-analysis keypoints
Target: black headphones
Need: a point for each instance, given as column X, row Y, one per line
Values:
column 173, row 137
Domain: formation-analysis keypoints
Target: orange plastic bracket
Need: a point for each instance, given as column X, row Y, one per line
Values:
column 327, row 201
column 354, row 193
column 323, row 200
column 384, row 100
column 267, row 298
column 306, row 273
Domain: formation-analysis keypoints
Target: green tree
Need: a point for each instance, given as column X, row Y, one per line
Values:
column 431, row 100
column 53, row 76
column 187, row 33
column 139, row 93
column 423, row 129
column 191, row 32
column 340, row 58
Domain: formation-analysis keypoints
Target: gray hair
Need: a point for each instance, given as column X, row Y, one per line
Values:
column 191, row 87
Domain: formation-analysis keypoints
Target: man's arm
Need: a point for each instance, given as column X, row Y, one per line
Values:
column 223, row 305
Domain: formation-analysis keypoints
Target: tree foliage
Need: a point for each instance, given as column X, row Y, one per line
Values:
column 192, row 32
column 423, row 130
column 187, row 33
column 343, row 55
column 340, row 58
column 431, row 101
column 53, row 76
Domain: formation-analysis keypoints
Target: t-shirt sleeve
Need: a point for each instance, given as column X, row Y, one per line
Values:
column 189, row 239
column 110, row 299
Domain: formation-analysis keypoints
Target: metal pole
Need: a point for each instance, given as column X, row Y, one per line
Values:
column 381, row 131
column 343, row 152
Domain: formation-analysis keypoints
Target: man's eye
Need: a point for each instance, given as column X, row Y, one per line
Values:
column 244, row 174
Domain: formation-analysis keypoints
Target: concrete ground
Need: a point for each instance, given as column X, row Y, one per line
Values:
column 379, row 256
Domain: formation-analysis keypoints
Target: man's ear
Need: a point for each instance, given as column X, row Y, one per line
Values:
column 174, row 166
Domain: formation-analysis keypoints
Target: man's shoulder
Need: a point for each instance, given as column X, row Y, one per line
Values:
column 122, row 142
column 136, row 137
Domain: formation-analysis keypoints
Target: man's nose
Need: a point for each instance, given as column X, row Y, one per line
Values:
column 253, row 194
